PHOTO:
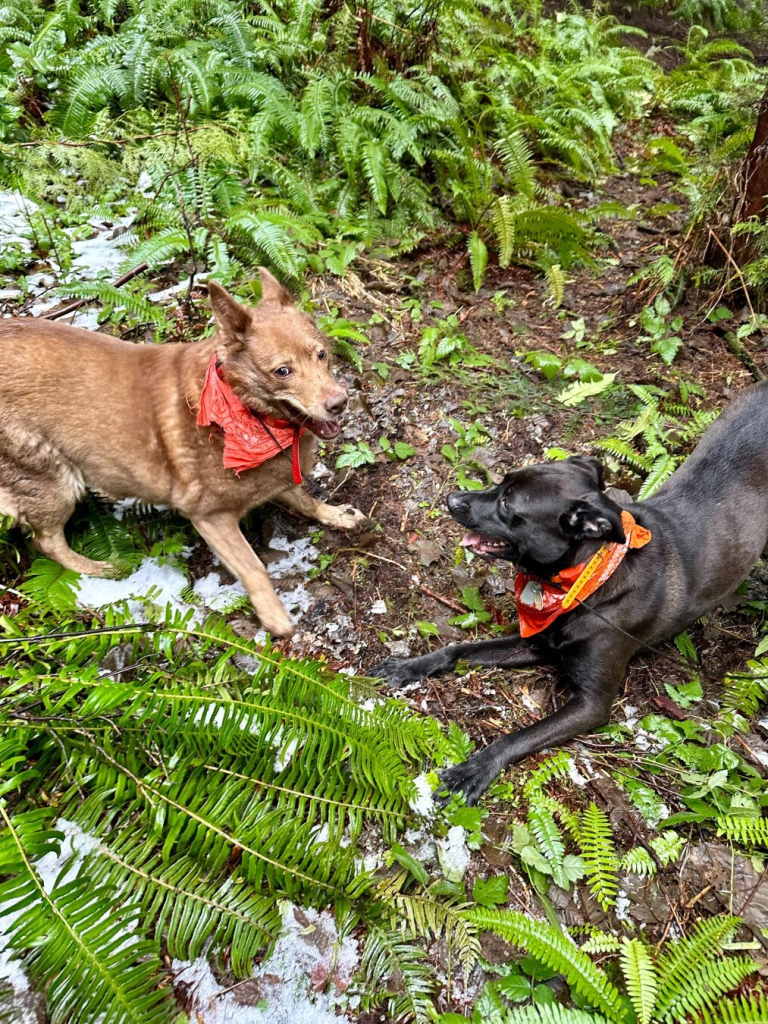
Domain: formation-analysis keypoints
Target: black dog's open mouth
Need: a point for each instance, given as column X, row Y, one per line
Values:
column 485, row 546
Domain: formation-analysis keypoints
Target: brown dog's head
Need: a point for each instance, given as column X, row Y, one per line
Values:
column 276, row 359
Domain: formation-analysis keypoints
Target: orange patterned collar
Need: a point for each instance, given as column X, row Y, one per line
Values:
column 540, row 602
column 249, row 439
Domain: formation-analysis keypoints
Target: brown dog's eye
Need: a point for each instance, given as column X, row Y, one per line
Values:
column 321, row 354
column 282, row 371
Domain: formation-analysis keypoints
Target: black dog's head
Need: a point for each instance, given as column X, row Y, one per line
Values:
column 539, row 515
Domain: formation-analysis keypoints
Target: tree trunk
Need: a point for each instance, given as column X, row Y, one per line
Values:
column 753, row 198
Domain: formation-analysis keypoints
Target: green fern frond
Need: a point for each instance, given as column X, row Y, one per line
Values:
column 478, row 258
column 751, row 1008
column 749, row 832
column 599, row 855
column 553, row 948
column 552, row 1013
column 387, row 955
column 640, row 978
column 691, row 955
column 76, row 937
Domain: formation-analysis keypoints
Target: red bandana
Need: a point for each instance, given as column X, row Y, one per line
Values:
column 249, row 440
column 540, row 602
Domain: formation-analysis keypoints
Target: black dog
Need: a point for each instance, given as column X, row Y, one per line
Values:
column 709, row 526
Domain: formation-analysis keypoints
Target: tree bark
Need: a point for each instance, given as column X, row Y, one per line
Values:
column 753, row 198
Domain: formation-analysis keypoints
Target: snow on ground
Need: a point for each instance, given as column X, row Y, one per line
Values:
column 15, row 211
column 163, row 584
column 453, row 854
column 303, row 981
column 101, row 255
column 423, row 803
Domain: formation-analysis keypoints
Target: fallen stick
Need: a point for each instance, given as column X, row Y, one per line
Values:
column 79, row 303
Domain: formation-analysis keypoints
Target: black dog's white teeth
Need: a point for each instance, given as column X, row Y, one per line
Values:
column 480, row 543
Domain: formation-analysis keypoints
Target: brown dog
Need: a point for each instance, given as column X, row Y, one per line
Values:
column 82, row 411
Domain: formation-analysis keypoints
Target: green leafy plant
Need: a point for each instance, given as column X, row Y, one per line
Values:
column 662, row 333
column 660, row 438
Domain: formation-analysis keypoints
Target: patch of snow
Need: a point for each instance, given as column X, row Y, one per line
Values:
column 102, row 255
column 623, row 904
column 301, row 982
column 218, row 596
column 398, row 648
column 378, row 608
column 645, row 741
column 453, row 854
column 121, row 507
column 284, row 756
column 164, row 582
column 300, row 556
column 174, row 289
column 85, row 319
column 15, row 211
column 529, row 703
column 320, row 834
column 575, row 775
column 423, row 803
column 145, row 186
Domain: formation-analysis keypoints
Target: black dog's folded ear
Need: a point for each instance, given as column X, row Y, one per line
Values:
column 597, row 518
column 591, row 466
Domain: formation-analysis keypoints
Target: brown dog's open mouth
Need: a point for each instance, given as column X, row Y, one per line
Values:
column 325, row 429
column 483, row 545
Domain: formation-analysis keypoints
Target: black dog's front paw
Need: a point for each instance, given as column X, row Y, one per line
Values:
column 397, row 672
column 471, row 778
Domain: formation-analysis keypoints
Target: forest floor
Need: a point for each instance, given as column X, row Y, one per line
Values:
column 398, row 587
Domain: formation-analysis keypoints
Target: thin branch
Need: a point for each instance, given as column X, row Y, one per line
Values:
column 737, row 268
column 58, row 313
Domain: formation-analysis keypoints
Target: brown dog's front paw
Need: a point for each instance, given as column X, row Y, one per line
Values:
column 351, row 518
column 277, row 623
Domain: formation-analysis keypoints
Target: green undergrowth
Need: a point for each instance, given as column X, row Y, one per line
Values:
column 310, row 137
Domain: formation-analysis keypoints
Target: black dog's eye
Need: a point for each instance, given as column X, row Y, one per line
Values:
column 321, row 354
column 282, row 371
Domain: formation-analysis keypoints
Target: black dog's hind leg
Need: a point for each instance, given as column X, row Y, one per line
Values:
column 509, row 652
column 594, row 680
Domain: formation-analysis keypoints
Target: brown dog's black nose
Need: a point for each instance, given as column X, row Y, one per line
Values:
column 337, row 403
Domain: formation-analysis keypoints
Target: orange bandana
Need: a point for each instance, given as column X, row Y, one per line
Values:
column 540, row 602
column 249, row 440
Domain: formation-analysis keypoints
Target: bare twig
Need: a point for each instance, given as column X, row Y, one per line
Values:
column 56, row 314
column 97, row 142
column 736, row 267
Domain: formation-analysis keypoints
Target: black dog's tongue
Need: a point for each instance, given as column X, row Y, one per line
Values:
column 481, row 542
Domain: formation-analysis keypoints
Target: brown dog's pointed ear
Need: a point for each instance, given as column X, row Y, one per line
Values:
column 597, row 518
column 591, row 466
column 232, row 319
column 272, row 292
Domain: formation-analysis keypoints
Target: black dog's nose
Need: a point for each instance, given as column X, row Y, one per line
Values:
column 457, row 502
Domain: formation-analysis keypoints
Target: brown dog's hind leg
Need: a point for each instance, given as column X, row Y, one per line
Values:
column 51, row 542
column 338, row 517
column 222, row 532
